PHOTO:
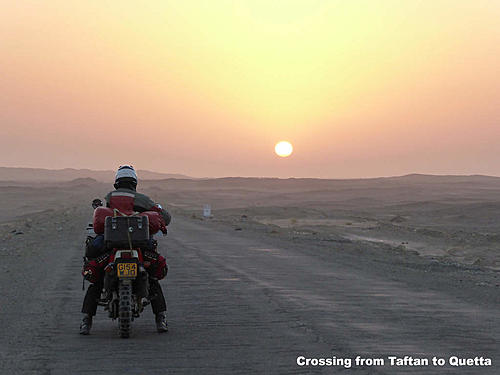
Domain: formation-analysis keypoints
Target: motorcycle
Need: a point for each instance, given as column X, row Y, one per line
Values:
column 128, row 264
column 125, row 288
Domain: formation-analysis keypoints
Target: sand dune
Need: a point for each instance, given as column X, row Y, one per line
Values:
column 449, row 218
column 55, row 175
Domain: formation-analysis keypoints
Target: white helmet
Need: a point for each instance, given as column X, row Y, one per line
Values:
column 126, row 173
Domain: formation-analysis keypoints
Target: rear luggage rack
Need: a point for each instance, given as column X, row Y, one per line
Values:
column 126, row 232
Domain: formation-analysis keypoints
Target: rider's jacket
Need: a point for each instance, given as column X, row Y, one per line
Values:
column 121, row 199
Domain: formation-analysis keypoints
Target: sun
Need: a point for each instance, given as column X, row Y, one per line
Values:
column 283, row 149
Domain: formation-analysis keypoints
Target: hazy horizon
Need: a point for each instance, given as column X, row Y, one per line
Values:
column 361, row 89
column 178, row 175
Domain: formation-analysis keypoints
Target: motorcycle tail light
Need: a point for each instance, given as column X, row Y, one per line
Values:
column 109, row 268
column 126, row 255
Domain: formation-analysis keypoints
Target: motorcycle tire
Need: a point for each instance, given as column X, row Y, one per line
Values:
column 124, row 308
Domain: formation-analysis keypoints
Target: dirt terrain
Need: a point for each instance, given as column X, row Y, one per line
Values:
column 284, row 268
column 449, row 218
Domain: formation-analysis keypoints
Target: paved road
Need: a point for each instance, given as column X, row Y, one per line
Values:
column 244, row 304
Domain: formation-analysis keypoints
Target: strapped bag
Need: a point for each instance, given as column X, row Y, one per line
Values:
column 94, row 246
column 126, row 232
column 156, row 221
column 158, row 268
column 93, row 268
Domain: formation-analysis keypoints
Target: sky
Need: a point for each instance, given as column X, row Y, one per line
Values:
column 207, row 88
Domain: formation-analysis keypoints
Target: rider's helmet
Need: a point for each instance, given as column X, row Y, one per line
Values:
column 126, row 177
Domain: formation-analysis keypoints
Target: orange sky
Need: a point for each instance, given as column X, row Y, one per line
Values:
column 206, row 88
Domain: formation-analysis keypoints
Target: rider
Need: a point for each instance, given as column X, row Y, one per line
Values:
column 125, row 185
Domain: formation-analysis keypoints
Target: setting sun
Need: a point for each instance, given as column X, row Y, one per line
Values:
column 283, row 149
column 367, row 88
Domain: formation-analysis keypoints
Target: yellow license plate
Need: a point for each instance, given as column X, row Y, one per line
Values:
column 127, row 269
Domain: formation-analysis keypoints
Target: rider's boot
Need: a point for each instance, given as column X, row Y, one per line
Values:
column 161, row 322
column 86, row 324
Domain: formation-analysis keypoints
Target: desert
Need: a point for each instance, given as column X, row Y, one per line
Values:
column 375, row 267
column 242, row 187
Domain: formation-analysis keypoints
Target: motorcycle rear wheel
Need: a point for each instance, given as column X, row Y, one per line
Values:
column 124, row 308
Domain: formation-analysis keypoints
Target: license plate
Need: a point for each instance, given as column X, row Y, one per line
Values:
column 127, row 269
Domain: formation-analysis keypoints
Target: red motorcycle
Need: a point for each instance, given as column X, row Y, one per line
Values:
column 128, row 264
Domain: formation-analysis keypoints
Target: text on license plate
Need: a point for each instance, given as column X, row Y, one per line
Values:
column 127, row 269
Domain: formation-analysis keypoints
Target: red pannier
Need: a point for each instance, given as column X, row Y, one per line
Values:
column 156, row 264
column 156, row 221
column 100, row 214
column 93, row 269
